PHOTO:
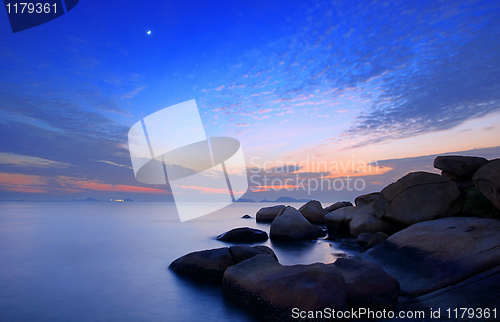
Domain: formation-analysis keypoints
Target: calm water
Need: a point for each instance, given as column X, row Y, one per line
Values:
column 78, row 261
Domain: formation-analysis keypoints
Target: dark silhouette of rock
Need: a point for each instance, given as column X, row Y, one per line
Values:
column 462, row 166
column 378, row 238
column 367, row 199
column 487, row 181
column 417, row 197
column 243, row 235
column 209, row 265
column 368, row 285
column 335, row 220
column 368, row 223
column 434, row 254
column 319, row 231
column 290, row 225
column 272, row 290
column 267, row 214
column 338, row 205
column 314, row 212
column 246, row 216
column 364, row 238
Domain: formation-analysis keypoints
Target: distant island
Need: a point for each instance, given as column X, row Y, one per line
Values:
column 286, row 199
column 88, row 199
column 244, row 200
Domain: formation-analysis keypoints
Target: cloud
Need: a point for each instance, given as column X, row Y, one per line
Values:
column 29, row 161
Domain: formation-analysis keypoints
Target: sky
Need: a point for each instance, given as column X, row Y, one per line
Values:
column 339, row 91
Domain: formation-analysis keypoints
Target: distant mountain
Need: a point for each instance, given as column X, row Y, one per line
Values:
column 286, row 199
column 127, row 199
column 88, row 199
column 244, row 200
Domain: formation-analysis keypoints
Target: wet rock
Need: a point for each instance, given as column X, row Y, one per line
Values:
column 243, row 235
column 246, row 216
column 209, row 265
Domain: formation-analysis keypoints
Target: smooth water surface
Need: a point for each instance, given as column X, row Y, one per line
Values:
column 108, row 261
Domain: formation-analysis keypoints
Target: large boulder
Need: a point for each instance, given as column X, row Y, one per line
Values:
column 478, row 291
column 335, row 220
column 209, row 265
column 272, row 290
column 368, row 223
column 367, row 199
column 434, row 254
column 417, row 197
column 267, row 214
column 487, row 181
column 461, row 166
column 364, row 238
column 368, row 285
column 338, row 205
column 314, row 212
column 291, row 226
column 243, row 235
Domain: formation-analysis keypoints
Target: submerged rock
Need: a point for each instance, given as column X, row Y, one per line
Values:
column 272, row 290
column 267, row 214
column 291, row 226
column 243, row 235
column 209, row 265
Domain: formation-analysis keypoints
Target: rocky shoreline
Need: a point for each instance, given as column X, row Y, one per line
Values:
column 427, row 242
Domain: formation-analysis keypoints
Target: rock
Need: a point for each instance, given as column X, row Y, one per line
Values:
column 267, row 214
column 243, row 235
column 434, row 254
column 319, row 231
column 487, row 181
column 464, row 186
column 462, row 166
column 368, row 285
column 335, row 220
column 368, row 223
column 477, row 205
column 209, row 265
column 378, row 238
column 367, row 199
column 271, row 290
column 246, row 216
column 364, row 238
column 338, row 205
column 478, row 291
column 314, row 212
column 417, row 197
column 291, row 226
column 452, row 176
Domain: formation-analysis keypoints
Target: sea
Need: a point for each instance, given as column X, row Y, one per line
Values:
column 108, row 261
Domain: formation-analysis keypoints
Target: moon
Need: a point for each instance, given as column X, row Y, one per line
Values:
column 149, row 32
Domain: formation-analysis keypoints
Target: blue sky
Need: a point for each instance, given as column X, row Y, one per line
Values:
column 335, row 81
